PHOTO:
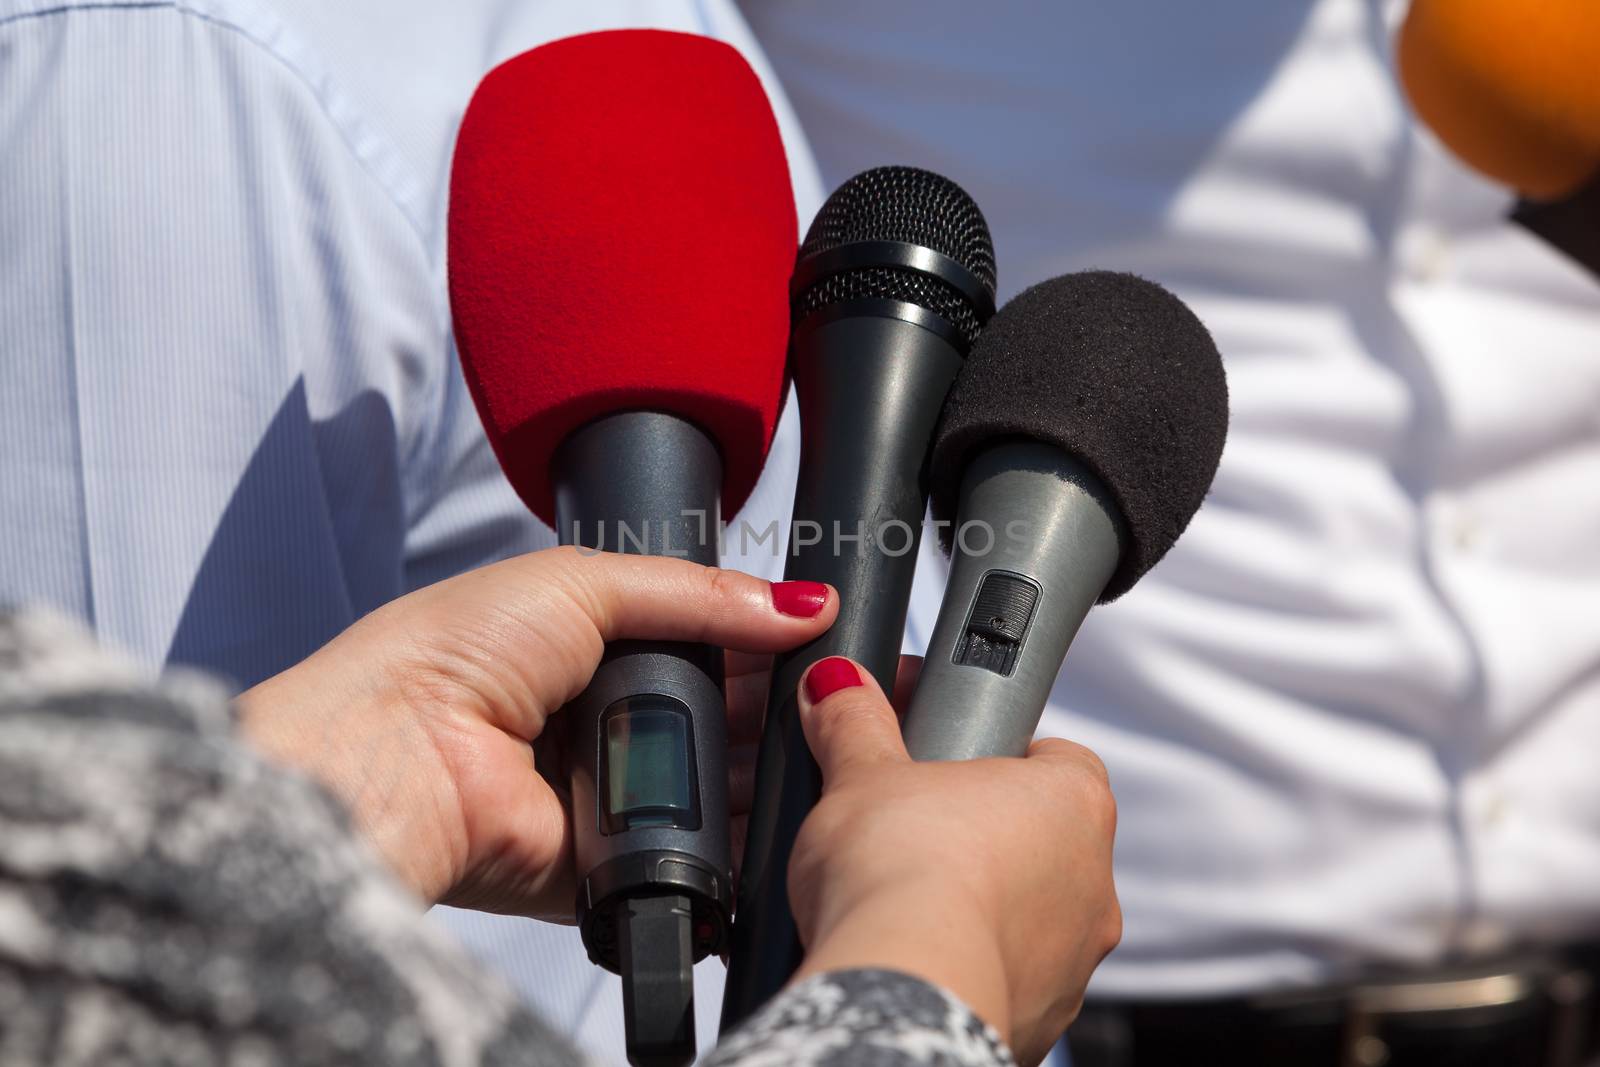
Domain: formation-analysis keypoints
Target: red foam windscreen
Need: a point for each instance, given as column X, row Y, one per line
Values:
column 621, row 235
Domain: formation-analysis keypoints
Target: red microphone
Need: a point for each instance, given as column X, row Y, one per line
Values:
column 621, row 234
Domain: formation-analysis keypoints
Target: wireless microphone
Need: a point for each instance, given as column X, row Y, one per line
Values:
column 1075, row 446
column 893, row 284
column 621, row 234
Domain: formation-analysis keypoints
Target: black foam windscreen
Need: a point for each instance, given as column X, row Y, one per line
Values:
column 1117, row 372
column 909, row 205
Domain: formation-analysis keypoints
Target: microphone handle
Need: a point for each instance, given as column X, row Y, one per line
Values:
column 870, row 387
column 647, row 739
column 1037, row 539
column 1571, row 225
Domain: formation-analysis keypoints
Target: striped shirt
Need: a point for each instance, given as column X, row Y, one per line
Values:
column 231, row 420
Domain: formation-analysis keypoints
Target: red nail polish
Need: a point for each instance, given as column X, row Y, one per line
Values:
column 803, row 600
column 829, row 676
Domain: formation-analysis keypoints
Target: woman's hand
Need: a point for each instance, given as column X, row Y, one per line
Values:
column 423, row 717
column 991, row 878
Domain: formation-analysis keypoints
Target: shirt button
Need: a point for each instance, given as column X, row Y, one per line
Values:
column 1492, row 807
column 1426, row 252
column 1455, row 526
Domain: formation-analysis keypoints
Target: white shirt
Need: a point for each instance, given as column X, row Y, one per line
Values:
column 1355, row 716
column 231, row 420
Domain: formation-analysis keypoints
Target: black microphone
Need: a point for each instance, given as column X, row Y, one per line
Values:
column 1075, row 446
column 892, row 286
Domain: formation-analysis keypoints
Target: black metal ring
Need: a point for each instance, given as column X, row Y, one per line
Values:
column 654, row 872
column 858, row 255
column 882, row 307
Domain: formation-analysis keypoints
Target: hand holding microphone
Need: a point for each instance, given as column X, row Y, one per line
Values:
column 991, row 878
column 420, row 716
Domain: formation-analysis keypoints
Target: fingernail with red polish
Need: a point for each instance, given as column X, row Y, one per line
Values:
column 803, row 600
column 829, row 676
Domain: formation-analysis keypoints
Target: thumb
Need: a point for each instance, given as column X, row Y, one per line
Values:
column 847, row 720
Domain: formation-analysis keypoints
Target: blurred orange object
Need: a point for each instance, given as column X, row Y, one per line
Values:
column 1511, row 86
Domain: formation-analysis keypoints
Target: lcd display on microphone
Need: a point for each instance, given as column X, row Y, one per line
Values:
column 646, row 773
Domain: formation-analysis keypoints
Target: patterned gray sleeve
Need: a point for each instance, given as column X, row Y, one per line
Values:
column 863, row 1018
column 168, row 897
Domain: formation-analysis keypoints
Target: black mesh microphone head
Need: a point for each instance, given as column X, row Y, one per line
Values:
column 906, row 206
column 1115, row 371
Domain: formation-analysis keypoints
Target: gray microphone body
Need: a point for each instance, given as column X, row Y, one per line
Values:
column 1037, row 539
column 1079, row 438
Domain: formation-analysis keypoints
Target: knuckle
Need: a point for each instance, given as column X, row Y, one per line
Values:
column 722, row 584
column 574, row 575
column 1099, row 809
column 1111, row 929
column 1102, row 803
column 1086, row 784
column 565, row 566
column 1056, row 748
column 564, row 555
column 1093, row 766
column 1075, row 760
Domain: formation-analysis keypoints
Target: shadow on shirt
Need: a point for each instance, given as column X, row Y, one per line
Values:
column 311, row 539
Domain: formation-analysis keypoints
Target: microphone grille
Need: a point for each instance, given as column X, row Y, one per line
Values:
column 905, row 204
column 913, row 206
